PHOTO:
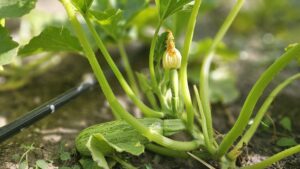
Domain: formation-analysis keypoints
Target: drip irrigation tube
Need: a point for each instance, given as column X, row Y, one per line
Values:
column 45, row 109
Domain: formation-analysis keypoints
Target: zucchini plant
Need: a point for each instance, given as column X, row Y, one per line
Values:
column 166, row 88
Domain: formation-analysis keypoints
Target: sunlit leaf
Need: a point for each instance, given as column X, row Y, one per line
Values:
column 8, row 47
column 52, row 39
column 95, row 148
column 15, row 8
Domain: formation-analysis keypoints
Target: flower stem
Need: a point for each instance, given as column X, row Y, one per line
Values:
column 204, row 72
column 151, row 56
column 183, row 69
column 175, row 90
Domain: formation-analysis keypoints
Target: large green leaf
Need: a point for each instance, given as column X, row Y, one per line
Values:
column 117, row 135
column 169, row 7
column 52, row 39
column 95, row 146
column 115, row 17
column 15, row 8
column 82, row 5
column 130, row 7
column 111, row 21
column 8, row 47
column 107, row 138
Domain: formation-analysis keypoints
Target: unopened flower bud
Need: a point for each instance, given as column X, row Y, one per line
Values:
column 172, row 57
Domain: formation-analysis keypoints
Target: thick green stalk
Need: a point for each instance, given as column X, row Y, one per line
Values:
column 204, row 72
column 271, row 160
column 114, row 103
column 145, row 109
column 175, row 90
column 253, row 97
column 128, row 68
column 261, row 112
column 183, row 68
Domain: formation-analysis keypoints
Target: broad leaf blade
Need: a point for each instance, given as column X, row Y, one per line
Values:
column 115, row 17
column 82, row 5
column 117, row 135
column 52, row 39
column 169, row 7
column 111, row 21
column 8, row 47
column 97, row 155
column 15, row 8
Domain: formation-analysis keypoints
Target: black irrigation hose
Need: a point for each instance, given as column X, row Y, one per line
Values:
column 45, row 109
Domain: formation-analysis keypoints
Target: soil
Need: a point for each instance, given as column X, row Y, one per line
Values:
column 59, row 130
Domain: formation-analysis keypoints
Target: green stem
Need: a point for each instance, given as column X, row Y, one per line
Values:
column 204, row 72
column 114, row 103
column 183, row 69
column 271, row 160
column 175, row 90
column 145, row 109
column 151, row 56
column 166, row 152
column 208, row 144
column 253, row 97
column 128, row 68
column 250, row 132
